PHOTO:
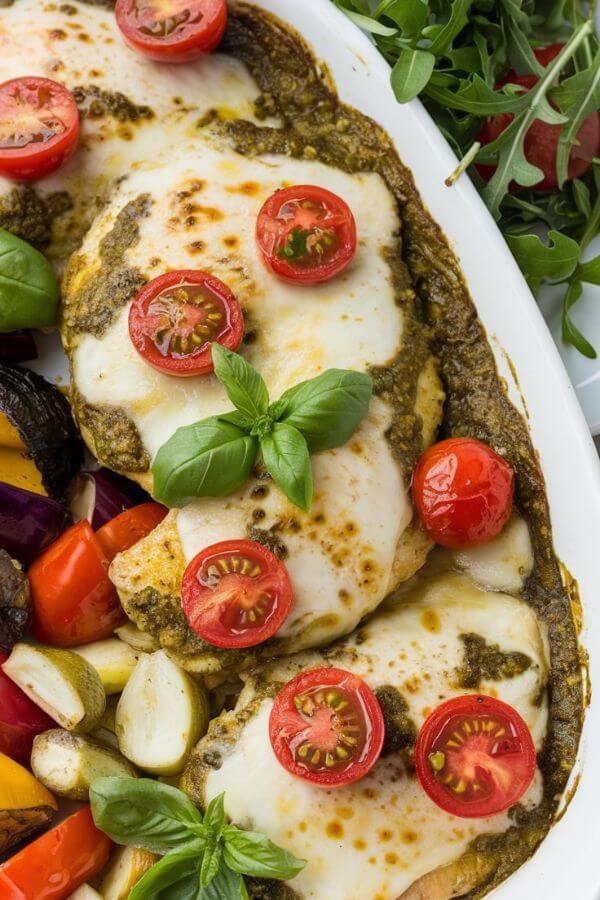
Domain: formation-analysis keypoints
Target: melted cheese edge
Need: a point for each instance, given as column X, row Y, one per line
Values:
column 375, row 838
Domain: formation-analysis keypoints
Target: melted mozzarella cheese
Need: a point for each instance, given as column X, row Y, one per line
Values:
column 378, row 836
column 341, row 555
column 503, row 564
column 83, row 48
column 350, row 322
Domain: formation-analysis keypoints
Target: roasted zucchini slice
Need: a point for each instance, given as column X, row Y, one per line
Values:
column 113, row 660
column 125, row 868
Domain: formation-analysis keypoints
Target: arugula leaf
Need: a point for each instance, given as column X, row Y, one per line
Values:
column 538, row 261
column 578, row 96
column 571, row 334
column 251, row 853
column 411, row 73
column 286, row 457
column 590, row 271
column 175, row 875
column 409, row 15
column 327, row 409
column 212, row 458
column 244, row 385
column 28, row 286
column 144, row 813
column 441, row 36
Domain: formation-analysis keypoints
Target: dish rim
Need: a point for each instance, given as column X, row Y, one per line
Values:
column 361, row 77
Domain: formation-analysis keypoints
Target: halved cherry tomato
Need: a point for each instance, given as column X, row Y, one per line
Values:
column 58, row 862
column 306, row 234
column 174, row 318
column 20, row 719
column 326, row 726
column 74, row 601
column 236, row 594
column 463, row 492
column 39, row 124
column 129, row 527
column 172, row 31
column 541, row 141
column 474, row 756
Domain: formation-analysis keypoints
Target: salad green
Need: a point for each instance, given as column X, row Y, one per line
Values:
column 453, row 54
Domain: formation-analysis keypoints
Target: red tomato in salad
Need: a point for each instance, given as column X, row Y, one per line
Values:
column 20, row 719
column 175, row 317
column 172, row 31
column 58, row 862
column 39, row 125
column 326, row 726
column 475, row 756
column 129, row 527
column 463, row 492
column 306, row 234
column 74, row 601
column 541, row 141
column 236, row 594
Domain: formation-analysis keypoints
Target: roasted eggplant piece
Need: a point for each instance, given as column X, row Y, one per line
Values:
column 29, row 522
column 40, row 448
column 15, row 602
column 25, row 804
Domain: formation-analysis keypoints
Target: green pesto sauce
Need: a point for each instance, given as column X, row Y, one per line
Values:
column 483, row 661
column 400, row 730
column 31, row 216
column 95, row 103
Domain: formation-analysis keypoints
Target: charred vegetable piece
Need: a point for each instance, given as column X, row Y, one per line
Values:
column 28, row 522
column 40, row 447
column 68, row 763
column 25, row 804
column 126, row 867
column 63, row 684
column 58, row 862
column 20, row 719
column 159, row 692
column 15, row 602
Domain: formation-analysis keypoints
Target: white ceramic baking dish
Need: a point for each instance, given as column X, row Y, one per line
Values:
column 566, row 865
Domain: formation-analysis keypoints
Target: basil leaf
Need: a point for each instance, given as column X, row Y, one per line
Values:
column 209, row 459
column 175, row 875
column 411, row 73
column 327, row 409
column 251, row 853
column 211, row 862
column 286, row 457
column 143, row 812
column 226, row 885
column 539, row 261
column 214, row 817
column 28, row 286
column 245, row 387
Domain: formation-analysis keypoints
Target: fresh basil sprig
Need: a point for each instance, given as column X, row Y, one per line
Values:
column 214, row 457
column 203, row 857
column 28, row 286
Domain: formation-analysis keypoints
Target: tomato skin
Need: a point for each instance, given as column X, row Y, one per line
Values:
column 288, row 727
column 144, row 323
column 213, row 612
column 274, row 227
column 129, row 527
column 541, row 141
column 58, row 862
column 37, row 159
column 20, row 719
column 463, row 492
column 190, row 43
column 74, row 601
column 514, row 764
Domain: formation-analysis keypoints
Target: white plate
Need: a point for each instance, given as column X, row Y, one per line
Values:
column 566, row 864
